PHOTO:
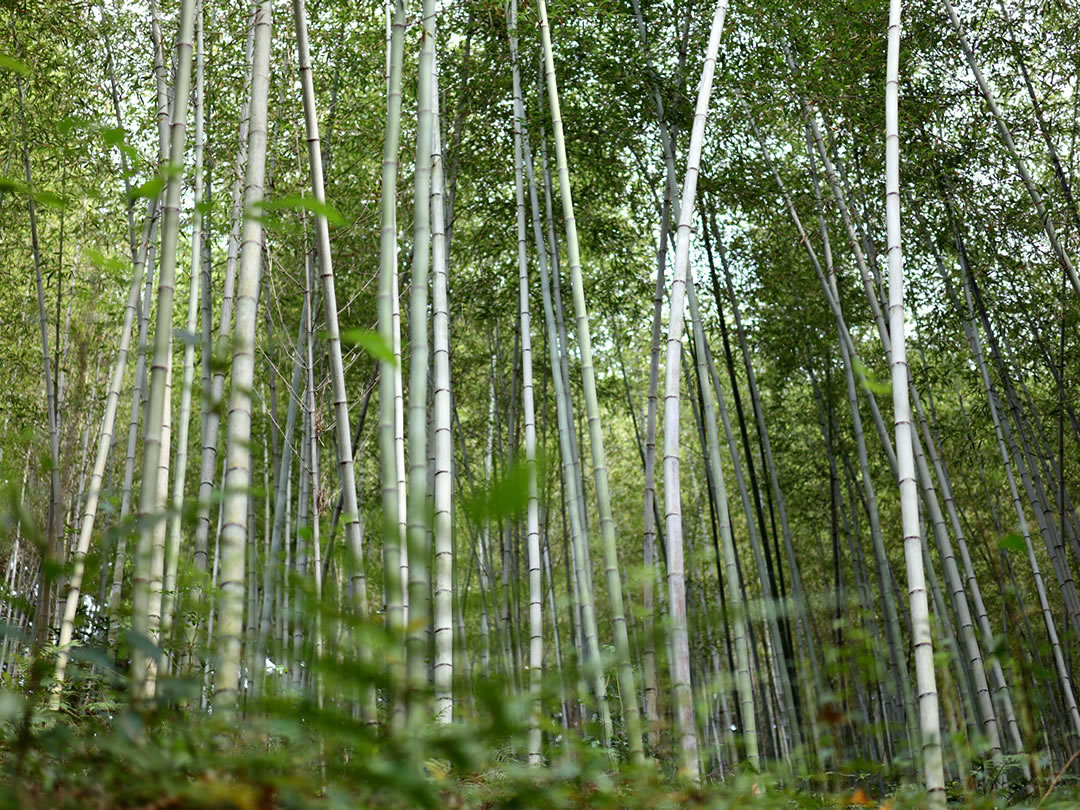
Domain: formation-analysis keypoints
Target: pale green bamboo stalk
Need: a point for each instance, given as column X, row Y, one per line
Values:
column 313, row 488
column 441, row 429
column 238, row 433
column 157, row 544
column 847, row 347
column 399, row 442
column 581, row 595
column 532, row 531
column 737, row 608
column 957, row 592
column 1000, row 686
column 301, row 556
column 483, row 557
column 680, row 658
column 281, row 498
column 708, row 377
column 577, row 492
column 213, row 398
column 627, row 688
column 971, row 644
column 138, row 391
column 392, row 534
column 651, row 516
column 909, row 497
column 154, row 437
column 1005, row 134
column 1000, row 428
column 104, row 446
column 342, row 427
column 172, row 559
column 416, row 535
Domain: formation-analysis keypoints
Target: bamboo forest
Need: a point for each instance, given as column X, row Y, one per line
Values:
column 539, row 404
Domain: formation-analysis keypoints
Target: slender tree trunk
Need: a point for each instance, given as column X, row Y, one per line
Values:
column 631, row 713
column 138, row 396
column 314, row 487
column 909, row 498
column 342, row 436
column 172, row 556
column 536, row 627
column 680, row 661
column 581, row 592
column 155, row 436
column 213, row 399
column 441, row 430
column 393, row 538
column 104, row 447
column 283, row 475
column 651, row 522
column 418, row 576
column 237, row 451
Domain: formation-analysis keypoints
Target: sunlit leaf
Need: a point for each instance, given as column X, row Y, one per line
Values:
column 105, row 262
column 371, row 342
column 295, row 202
column 872, row 382
column 151, row 188
column 11, row 63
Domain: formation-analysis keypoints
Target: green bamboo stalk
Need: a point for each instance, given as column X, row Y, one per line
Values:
column 536, row 627
column 154, row 437
column 238, row 433
column 627, row 688
column 392, row 536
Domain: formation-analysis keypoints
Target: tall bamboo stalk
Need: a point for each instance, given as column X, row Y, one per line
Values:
column 680, row 659
column 392, row 534
column 154, row 437
column 172, row 552
column 631, row 712
column 213, row 398
column 441, row 429
column 104, row 447
column 416, row 535
column 536, row 628
column 238, row 480
column 909, row 498
column 342, row 427
column 1005, row 134
column 583, row 611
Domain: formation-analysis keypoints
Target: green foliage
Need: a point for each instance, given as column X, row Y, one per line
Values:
column 60, row 64
column 371, row 342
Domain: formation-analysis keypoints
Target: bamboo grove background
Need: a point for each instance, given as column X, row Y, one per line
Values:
column 490, row 404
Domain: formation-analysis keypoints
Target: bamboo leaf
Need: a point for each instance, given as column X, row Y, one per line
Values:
column 371, row 342
column 144, row 644
column 14, row 65
column 151, row 188
column 104, row 262
column 295, row 202
column 1012, row 542
column 113, row 135
column 875, row 385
